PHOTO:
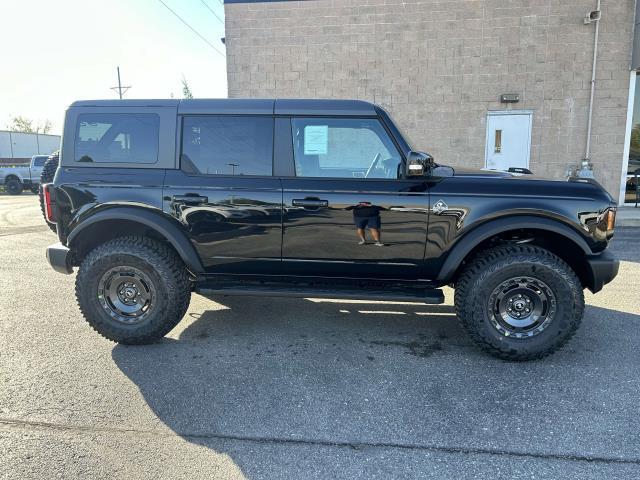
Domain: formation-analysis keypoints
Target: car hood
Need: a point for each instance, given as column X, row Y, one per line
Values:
column 470, row 172
column 572, row 183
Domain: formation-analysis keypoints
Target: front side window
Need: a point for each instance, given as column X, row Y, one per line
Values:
column 117, row 138
column 227, row 145
column 343, row 148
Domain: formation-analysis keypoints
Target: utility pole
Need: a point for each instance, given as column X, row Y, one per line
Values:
column 120, row 89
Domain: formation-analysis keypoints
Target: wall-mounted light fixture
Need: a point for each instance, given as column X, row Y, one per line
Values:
column 592, row 16
column 510, row 98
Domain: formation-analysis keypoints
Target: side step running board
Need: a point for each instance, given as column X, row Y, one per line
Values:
column 431, row 296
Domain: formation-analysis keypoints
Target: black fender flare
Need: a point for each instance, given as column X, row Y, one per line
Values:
column 155, row 220
column 471, row 239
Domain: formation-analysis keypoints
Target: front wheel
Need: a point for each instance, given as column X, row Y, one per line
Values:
column 519, row 302
column 133, row 290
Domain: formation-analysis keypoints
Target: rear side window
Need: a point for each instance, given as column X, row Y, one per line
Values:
column 117, row 138
column 227, row 145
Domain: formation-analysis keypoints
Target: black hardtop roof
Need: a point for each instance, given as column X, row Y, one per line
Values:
column 246, row 106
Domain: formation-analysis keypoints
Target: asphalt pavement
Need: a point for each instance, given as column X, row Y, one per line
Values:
column 267, row 388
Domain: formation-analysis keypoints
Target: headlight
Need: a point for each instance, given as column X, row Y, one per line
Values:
column 607, row 221
column 611, row 220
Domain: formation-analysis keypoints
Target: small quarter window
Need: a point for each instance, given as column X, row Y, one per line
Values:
column 227, row 145
column 117, row 138
column 343, row 148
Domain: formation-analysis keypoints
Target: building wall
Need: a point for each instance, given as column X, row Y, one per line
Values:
column 439, row 66
column 20, row 146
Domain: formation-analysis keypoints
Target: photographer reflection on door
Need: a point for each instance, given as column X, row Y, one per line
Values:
column 367, row 215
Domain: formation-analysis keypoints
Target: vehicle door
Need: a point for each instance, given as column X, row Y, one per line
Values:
column 225, row 194
column 347, row 181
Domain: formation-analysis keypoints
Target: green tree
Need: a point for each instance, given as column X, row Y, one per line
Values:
column 26, row 125
column 186, row 91
column 44, row 127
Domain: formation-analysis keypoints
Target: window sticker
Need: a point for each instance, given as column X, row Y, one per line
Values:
column 316, row 139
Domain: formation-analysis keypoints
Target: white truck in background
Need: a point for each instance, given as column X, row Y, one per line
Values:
column 15, row 179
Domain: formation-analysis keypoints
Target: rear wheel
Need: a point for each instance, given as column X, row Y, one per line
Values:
column 133, row 290
column 13, row 186
column 519, row 302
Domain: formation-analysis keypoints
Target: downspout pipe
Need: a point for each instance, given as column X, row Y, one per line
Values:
column 587, row 154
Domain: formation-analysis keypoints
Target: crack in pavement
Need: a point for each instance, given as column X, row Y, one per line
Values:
column 28, row 424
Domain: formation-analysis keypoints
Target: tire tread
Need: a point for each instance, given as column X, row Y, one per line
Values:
column 482, row 265
column 160, row 257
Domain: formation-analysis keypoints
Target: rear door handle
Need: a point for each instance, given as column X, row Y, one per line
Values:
column 309, row 203
column 190, row 199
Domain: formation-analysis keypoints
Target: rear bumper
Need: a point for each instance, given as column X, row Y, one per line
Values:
column 59, row 258
column 602, row 269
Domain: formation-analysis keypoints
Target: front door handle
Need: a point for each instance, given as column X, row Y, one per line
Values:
column 193, row 199
column 309, row 203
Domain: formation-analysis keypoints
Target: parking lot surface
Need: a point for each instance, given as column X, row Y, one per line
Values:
column 270, row 388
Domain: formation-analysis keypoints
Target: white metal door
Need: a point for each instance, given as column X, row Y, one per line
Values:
column 508, row 140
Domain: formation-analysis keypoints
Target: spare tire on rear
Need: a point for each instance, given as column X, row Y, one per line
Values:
column 48, row 172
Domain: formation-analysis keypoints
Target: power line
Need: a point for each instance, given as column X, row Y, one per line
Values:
column 191, row 28
column 211, row 10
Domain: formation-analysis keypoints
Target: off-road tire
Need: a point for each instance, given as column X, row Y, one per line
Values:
column 163, row 268
column 488, row 269
column 48, row 172
column 13, row 186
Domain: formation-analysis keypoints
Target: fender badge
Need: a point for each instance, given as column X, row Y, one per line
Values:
column 439, row 207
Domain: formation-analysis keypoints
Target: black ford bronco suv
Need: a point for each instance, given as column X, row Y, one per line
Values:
column 155, row 199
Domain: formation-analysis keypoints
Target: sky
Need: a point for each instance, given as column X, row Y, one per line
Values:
column 55, row 52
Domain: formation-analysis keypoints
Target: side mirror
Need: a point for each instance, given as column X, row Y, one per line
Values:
column 418, row 163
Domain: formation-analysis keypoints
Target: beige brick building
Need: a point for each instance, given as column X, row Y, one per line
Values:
column 440, row 68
